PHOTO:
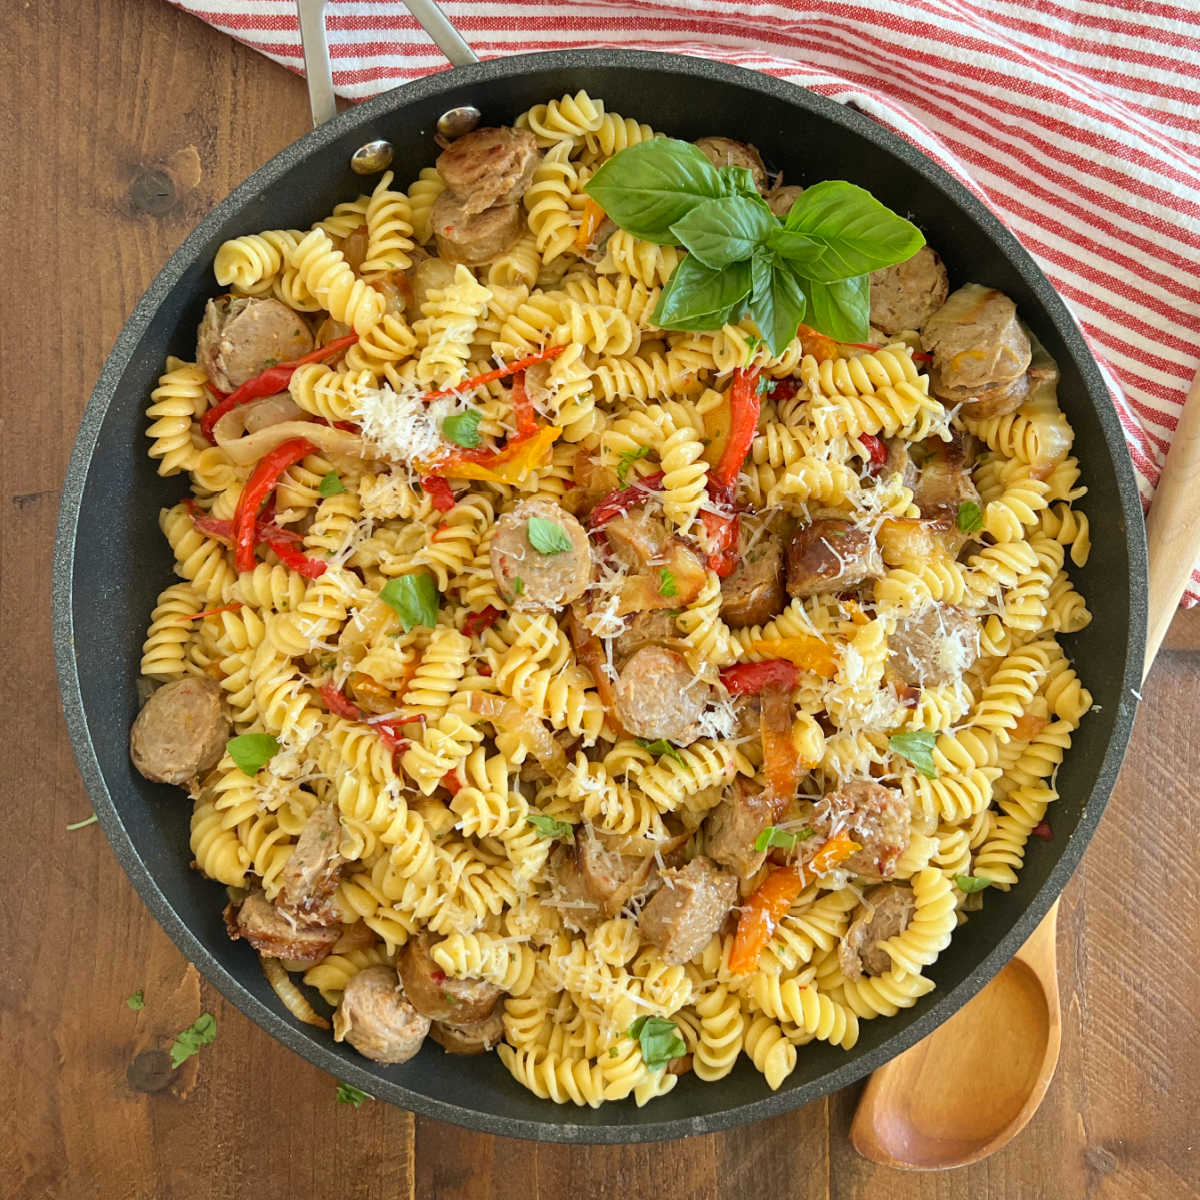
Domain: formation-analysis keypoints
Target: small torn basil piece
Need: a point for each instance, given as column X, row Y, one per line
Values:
column 252, row 751
column 547, row 537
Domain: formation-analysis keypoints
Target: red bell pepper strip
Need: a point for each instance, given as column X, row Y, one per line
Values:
column 877, row 452
column 212, row 612
column 618, row 503
column 764, row 907
column 784, row 389
column 748, row 679
column 267, row 383
column 477, row 622
column 438, row 491
column 310, row 568
column 476, row 381
column 258, row 488
column 744, row 407
column 266, row 533
column 523, row 407
column 723, row 530
column 339, row 703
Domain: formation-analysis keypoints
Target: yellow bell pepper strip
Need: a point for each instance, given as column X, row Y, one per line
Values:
column 808, row 653
column 510, row 464
column 775, row 895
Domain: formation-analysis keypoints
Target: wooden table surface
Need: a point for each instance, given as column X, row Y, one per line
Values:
column 126, row 120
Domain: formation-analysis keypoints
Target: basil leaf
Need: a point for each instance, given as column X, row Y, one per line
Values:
column 659, row 1040
column 739, row 181
column 971, row 883
column 777, row 304
column 547, row 537
column 841, row 310
column 414, row 598
column 698, row 298
column 627, row 459
column 859, row 233
column 799, row 249
column 666, row 583
column 83, row 824
column 719, row 232
column 646, row 188
column 518, row 586
column 463, row 428
column 252, row 751
column 191, row 1039
column 782, row 838
column 659, row 747
column 331, row 485
column 969, row 518
column 917, row 747
column 348, row 1094
column 550, row 827
column 137, row 1000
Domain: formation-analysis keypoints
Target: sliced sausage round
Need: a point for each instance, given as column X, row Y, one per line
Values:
column 611, row 880
column 780, row 199
column 688, row 909
column 432, row 992
column 278, row 934
column 474, row 238
column 657, row 696
column 981, row 353
column 725, row 152
column 644, row 628
column 905, row 295
column 885, row 912
column 943, row 480
column 240, row 338
column 830, row 554
column 734, row 826
column 753, row 592
column 310, row 876
column 376, row 1019
column 876, row 817
column 934, row 646
column 181, row 730
column 476, row 1038
column 489, row 166
column 540, row 557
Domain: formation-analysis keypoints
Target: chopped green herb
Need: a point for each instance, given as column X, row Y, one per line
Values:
column 547, row 537
column 666, row 583
column 252, row 751
column 192, row 1038
column 752, row 344
column 971, row 883
column 969, row 519
column 551, row 827
column 627, row 459
column 784, row 839
column 765, row 385
column 80, row 824
column 347, row 1093
column 917, row 747
column 137, row 1000
column 463, row 428
column 414, row 598
column 613, row 1051
column 518, row 586
column 659, row 1039
column 659, row 748
column 331, row 485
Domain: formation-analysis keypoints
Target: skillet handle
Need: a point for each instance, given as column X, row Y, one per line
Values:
column 321, row 98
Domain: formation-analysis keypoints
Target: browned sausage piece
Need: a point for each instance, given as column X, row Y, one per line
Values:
column 240, row 338
column 876, row 817
column 753, row 593
column 277, row 934
column 638, row 538
column 907, row 294
column 181, row 730
column 475, row 1038
column 376, row 1019
column 885, row 912
column 611, row 880
column 780, row 199
column 489, row 166
column 734, row 825
column 981, row 354
column 830, row 554
column 688, row 909
column 934, row 646
column 310, row 876
column 579, row 909
column 657, row 696
column 432, row 992
column 725, row 152
column 474, row 238
column 530, row 579
column 644, row 629
column 944, row 479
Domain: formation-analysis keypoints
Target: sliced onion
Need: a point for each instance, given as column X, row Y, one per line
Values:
column 509, row 715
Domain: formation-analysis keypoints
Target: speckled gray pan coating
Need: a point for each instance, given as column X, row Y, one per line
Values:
column 110, row 560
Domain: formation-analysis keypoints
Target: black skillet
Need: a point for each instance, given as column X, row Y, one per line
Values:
column 111, row 560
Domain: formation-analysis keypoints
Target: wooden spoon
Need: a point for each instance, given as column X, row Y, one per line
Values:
column 971, row 1086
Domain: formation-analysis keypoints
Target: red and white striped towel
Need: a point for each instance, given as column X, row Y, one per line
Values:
column 1078, row 121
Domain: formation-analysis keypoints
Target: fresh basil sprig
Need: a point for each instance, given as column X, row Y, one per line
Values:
column 812, row 267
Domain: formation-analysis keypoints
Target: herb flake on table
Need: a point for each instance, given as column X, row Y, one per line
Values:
column 189, row 1041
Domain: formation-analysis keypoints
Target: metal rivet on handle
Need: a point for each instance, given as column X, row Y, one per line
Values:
column 372, row 158
column 457, row 121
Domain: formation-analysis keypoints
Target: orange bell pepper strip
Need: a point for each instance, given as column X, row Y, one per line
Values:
column 510, row 464
column 487, row 377
column 593, row 218
column 807, row 653
column 781, row 762
column 775, row 895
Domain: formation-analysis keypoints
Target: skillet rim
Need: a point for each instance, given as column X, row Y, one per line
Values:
column 319, row 1052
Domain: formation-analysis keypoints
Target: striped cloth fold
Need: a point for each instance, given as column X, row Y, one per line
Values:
column 1077, row 121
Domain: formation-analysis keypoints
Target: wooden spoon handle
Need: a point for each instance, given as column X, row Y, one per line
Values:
column 1173, row 526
